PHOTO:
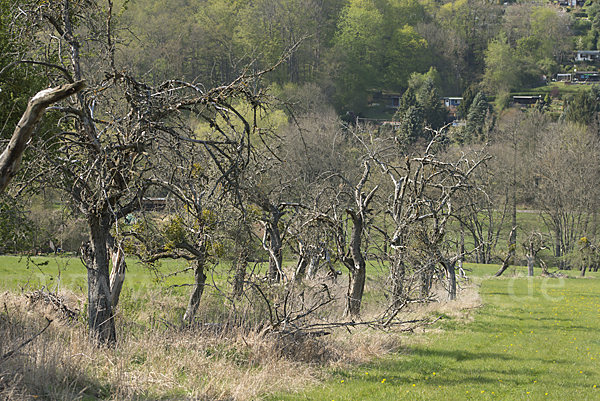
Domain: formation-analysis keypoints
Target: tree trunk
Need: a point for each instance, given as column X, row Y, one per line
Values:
column 505, row 264
column 512, row 241
column 511, row 250
column 273, row 237
column 449, row 267
column 240, row 273
column 95, row 256
column 583, row 269
column 477, row 245
column 196, row 296
column 530, row 263
column 462, row 251
column 10, row 159
column 544, row 267
column 356, row 287
column 313, row 265
column 426, row 277
column 117, row 275
column 301, row 265
column 300, row 269
column 557, row 249
column 357, row 270
column 397, row 273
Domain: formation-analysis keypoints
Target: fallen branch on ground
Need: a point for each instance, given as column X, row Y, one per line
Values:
column 6, row 356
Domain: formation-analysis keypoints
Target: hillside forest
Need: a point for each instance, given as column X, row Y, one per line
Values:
column 228, row 134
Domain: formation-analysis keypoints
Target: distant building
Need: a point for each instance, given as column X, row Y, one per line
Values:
column 564, row 77
column 587, row 55
column 395, row 125
column 452, row 101
column 586, row 76
column 527, row 100
column 389, row 99
column 156, row 204
column 571, row 3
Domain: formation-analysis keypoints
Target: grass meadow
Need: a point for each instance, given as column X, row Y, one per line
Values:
column 529, row 339
column 507, row 338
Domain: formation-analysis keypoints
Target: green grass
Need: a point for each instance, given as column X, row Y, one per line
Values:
column 562, row 88
column 534, row 339
column 67, row 272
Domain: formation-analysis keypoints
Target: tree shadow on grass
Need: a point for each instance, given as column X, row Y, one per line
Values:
column 421, row 363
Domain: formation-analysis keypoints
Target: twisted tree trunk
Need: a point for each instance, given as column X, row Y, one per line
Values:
column 397, row 273
column 95, row 258
column 357, row 268
column 199, row 282
column 117, row 275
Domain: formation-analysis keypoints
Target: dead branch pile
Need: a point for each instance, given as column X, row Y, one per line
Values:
column 55, row 301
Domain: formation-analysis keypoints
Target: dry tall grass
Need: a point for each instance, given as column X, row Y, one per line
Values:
column 155, row 358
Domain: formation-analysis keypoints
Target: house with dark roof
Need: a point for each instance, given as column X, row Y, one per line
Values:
column 586, row 76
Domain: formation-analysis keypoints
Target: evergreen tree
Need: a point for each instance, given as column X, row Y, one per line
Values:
column 434, row 112
column 407, row 101
column 477, row 125
column 411, row 128
column 584, row 106
column 467, row 99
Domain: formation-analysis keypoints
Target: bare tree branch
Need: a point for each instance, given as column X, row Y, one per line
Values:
column 10, row 160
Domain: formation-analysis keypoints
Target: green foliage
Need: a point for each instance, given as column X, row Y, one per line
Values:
column 421, row 110
column 584, row 106
column 411, row 128
column 592, row 10
column 548, row 66
column 349, row 47
column 407, row 101
column 19, row 82
column 467, row 99
column 357, row 44
column 16, row 229
column 502, row 100
column 417, row 80
column 405, row 52
column 502, row 67
column 478, row 124
column 434, row 112
column 175, row 231
column 374, row 50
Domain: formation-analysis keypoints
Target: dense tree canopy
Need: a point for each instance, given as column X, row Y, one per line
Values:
column 350, row 48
